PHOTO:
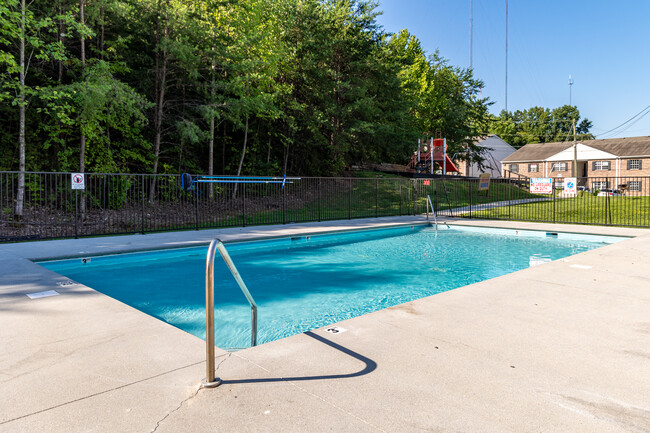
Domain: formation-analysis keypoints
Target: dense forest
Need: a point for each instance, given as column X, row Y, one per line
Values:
column 303, row 87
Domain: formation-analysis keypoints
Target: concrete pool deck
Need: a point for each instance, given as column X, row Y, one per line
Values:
column 560, row 347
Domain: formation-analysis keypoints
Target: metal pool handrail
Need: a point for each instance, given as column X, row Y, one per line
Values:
column 432, row 211
column 210, row 379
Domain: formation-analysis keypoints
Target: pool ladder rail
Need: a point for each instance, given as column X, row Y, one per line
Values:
column 211, row 380
column 435, row 219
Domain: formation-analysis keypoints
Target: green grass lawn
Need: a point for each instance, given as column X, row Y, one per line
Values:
column 463, row 193
column 374, row 194
column 584, row 209
column 377, row 194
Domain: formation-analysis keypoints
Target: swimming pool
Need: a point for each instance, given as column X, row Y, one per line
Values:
column 306, row 282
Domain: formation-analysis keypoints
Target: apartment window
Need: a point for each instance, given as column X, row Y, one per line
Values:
column 635, row 185
column 559, row 166
column 533, row 168
column 634, row 164
column 602, row 165
column 599, row 185
column 514, row 168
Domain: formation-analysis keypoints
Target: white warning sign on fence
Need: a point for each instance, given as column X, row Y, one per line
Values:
column 541, row 185
column 570, row 186
column 78, row 181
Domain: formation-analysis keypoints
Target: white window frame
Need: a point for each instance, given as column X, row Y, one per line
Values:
column 599, row 184
column 559, row 166
column 635, row 185
column 598, row 165
column 514, row 168
column 635, row 162
column 530, row 168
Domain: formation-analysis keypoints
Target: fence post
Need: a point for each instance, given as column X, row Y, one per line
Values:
column 196, row 211
column 415, row 195
column 509, row 201
column 76, row 214
column 471, row 187
column 607, row 211
column 400, row 199
column 243, row 205
column 284, row 206
column 376, row 197
column 320, row 181
column 553, row 194
column 350, row 199
column 143, row 199
column 435, row 197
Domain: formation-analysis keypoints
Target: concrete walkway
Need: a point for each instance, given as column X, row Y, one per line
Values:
column 560, row 347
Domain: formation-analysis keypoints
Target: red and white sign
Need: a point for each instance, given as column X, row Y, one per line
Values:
column 426, row 182
column 78, row 181
column 541, row 185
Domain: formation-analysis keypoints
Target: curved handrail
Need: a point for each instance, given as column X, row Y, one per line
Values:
column 433, row 211
column 210, row 379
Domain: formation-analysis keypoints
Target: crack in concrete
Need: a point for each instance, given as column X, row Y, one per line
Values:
column 98, row 393
column 222, row 361
column 225, row 358
column 176, row 409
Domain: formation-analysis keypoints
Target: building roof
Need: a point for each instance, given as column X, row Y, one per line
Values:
column 620, row 147
column 494, row 142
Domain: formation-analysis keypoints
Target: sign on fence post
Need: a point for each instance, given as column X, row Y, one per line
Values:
column 541, row 185
column 570, row 186
column 78, row 181
column 484, row 182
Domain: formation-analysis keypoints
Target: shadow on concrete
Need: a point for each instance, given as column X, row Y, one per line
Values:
column 370, row 366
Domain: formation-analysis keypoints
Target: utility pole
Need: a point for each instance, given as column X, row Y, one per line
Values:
column 506, row 56
column 575, row 152
column 570, row 84
column 471, row 25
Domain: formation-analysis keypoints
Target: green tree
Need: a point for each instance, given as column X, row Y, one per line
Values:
column 540, row 125
column 25, row 40
column 446, row 100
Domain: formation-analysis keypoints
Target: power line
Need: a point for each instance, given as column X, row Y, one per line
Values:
column 641, row 113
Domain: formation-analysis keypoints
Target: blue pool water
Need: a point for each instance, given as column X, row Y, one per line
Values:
column 308, row 282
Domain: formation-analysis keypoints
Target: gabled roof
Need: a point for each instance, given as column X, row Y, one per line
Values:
column 618, row 147
column 494, row 142
column 584, row 153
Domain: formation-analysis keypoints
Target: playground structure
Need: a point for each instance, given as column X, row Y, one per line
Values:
column 432, row 151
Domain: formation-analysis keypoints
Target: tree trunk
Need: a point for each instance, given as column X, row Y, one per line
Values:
column 20, row 199
column 62, row 40
column 102, row 14
column 211, row 142
column 286, row 158
column 223, row 150
column 82, row 144
column 161, row 79
column 241, row 159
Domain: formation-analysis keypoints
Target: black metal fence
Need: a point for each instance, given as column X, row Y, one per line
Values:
column 142, row 203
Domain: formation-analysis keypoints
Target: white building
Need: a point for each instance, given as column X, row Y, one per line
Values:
column 495, row 151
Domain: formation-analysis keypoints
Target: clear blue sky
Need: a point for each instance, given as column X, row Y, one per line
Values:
column 603, row 44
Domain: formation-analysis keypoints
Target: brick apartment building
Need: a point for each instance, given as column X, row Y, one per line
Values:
column 610, row 163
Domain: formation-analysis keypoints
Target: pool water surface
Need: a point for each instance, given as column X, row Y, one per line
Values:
column 307, row 282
